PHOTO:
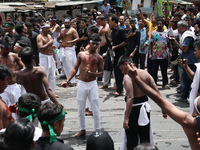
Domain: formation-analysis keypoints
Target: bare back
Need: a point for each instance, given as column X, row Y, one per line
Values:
column 32, row 81
column 146, row 78
column 90, row 62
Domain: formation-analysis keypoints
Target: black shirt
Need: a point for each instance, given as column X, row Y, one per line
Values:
column 133, row 41
column 33, row 38
column 85, row 34
column 43, row 144
column 118, row 36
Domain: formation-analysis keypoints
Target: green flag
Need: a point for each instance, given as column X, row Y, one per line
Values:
column 168, row 8
column 159, row 7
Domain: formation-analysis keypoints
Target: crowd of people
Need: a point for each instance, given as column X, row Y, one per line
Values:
column 92, row 47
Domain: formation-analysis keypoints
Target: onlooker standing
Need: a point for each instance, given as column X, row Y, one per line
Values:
column 133, row 42
column 121, row 22
column 144, row 43
column 119, row 40
column 159, row 46
column 105, row 8
column 187, row 46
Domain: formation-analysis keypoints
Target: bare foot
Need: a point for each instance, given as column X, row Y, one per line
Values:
column 116, row 93
column 103, row 87
column 88, row 113
column 114, row 88
column 80, row 133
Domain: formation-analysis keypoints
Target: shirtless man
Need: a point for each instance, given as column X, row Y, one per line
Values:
column 136, row 100
column 5, row 113
column 47, row 54
column 89, row 61
column 187, row 121
column 69, row 36
column 33, row 78
column 13, row 91
column 105, row 29
column 55, row 30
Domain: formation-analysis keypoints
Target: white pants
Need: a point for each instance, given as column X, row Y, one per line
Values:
column 47, row 61
column 68, row 59
column 88, row 90
column 11, row 95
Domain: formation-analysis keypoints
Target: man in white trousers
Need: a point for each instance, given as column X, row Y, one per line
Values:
column 89, row 61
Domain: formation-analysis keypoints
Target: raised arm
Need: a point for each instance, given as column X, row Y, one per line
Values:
column 177, row 115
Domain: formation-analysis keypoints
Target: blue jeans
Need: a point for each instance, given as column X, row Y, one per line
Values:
column 163, row 63
column 187, row 82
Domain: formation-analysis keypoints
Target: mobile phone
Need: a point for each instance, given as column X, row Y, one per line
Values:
column 198, row 123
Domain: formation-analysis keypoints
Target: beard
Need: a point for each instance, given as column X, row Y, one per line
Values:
column 67, row 27
column 160, row 28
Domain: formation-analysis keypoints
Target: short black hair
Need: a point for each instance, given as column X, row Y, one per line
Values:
column 33, row 19
column 183, row 8
column 188, row 17
column 123, row 59
column 10, row 23
column 26, row 55
column 115, row 18
column 95, row 37
column 19, row 27
column 178, row 14
column 48, row 112
column 93, row 29
column 5, row 71
column 190, row 9
column 90, row 14
column 29, row 101
column 197, row 44
column 6, row 42
column 22, row 43
column 28, row 24
column 19, row 134
column 159, row 19
column 101, row 17
column 84, row 19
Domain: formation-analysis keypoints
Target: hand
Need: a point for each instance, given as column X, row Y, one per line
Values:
column 132, row 55
column 39, row 14
column 183, row 63
column 150, row 57
column 170, row 54
column 143, row 47
column 132, row 72
column 13, row 107
column 164, row 114
column 138, row 6
column 114, row 48
column 64, row 84
column 69, row 42
column 82, row 49
column 125, row 124
column 198, row 138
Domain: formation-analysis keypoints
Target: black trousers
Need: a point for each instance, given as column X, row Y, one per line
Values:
column 119, row 79
column 135, row 131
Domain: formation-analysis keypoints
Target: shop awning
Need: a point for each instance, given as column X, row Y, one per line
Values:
column 6, row 9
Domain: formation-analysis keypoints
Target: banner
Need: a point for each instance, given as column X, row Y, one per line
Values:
column 168, row 9
column 128, row 4
column 159, row 7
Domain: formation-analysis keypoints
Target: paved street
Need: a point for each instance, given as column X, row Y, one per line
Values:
column 167, row 134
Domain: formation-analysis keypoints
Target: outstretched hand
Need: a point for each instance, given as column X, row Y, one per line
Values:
column 64, row 84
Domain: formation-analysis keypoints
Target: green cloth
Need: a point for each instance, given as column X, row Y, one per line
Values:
column 160, row 7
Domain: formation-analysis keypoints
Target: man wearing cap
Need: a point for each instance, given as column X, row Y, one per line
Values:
column 51, row 117
column 69, row 37
column 47, row 54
